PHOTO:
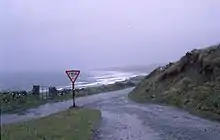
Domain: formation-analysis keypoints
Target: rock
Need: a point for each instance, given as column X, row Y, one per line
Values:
column 153, row 96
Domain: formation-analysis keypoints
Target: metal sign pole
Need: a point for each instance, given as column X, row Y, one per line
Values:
column 74, row 104
column 73, row 75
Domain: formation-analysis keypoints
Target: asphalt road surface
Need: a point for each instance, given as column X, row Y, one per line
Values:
column 122, row 119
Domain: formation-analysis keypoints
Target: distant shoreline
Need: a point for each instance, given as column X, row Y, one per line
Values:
column 25, row 99
column 25, row 81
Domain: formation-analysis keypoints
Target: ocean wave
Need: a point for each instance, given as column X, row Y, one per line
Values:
column 105, row 78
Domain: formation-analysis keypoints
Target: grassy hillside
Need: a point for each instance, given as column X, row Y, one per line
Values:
column 192, row 83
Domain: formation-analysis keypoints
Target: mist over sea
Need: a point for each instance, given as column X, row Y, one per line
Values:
column 25, row 81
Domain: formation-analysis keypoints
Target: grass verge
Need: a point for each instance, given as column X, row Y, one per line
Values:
column 73, row 124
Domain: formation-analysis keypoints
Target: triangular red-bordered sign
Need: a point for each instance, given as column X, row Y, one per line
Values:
column 73, row 75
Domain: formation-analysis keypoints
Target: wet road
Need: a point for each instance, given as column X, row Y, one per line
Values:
column 51, row 108
column 123, row 119
column 126, row 120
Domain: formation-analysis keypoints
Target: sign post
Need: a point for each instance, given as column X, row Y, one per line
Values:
column 73, row 90
column 73, row 75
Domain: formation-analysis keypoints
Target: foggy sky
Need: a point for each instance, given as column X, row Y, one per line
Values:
column 42, row 35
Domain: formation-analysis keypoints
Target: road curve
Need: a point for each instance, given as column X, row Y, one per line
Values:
column 122, row 119
column 51, row 108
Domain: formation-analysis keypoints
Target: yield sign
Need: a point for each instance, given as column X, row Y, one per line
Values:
column 73, row 75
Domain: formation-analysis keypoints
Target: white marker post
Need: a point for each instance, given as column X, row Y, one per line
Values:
column 73, row 75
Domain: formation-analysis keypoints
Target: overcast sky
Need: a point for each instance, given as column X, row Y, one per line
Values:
column 42, row 35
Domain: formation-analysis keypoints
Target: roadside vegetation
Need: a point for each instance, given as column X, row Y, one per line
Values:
column 19, row 101
column 192, row 83
column 73, row 124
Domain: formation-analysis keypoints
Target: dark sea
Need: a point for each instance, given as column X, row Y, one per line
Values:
column 25, row 81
